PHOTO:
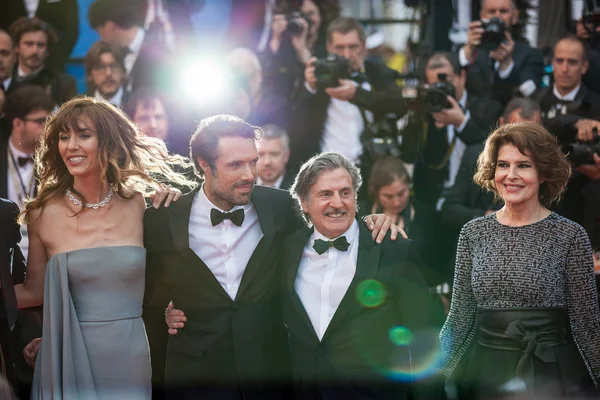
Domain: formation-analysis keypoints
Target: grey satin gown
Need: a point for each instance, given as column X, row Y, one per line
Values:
column 94, row 344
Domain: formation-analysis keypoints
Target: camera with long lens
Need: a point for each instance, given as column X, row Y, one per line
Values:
column 581, row 153
column 435, row 98
column 294, row 26
column 493, row 34
column 329, row 70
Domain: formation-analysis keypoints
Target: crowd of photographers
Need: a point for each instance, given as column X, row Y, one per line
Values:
column 312, row 88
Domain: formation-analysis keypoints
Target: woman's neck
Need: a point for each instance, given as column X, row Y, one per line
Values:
column 93, row 189
column 522, row 214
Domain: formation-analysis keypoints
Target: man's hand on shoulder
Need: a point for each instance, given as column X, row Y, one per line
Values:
column 380, row 224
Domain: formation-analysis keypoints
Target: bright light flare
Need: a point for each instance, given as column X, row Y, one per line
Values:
column 205, row 80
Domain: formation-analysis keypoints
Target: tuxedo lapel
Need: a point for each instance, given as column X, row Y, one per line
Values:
column 264, row 209
column 292, row 259
column 179, row 219
column 366, row 268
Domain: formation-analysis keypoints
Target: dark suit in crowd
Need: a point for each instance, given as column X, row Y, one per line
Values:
column 61, row 87
column 351, row 360
column 229, row 349
column 483, row 78
column 308, row 121
column 465, row 200
column 62, row 15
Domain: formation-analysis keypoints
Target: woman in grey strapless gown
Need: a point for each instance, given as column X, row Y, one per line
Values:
column 93, row 303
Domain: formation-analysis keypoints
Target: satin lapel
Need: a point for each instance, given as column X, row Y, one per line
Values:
column 179, row 218
column 366, row 268
column 292, row 259
column 264, row 209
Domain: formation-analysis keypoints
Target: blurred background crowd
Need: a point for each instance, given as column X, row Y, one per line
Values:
column 408, row 89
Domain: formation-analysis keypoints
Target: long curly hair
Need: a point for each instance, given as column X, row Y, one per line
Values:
column 131, row 162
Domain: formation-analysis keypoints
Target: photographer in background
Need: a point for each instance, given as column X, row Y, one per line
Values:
column 105, row 73
column 498, row 63
column 296, row 36
column 588, row 30
column 571, row 111
column 341, row 96
column 450, row 119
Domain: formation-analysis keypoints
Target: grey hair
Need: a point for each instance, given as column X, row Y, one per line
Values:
column 527, row 108
column 312, row 169
column 272, row 131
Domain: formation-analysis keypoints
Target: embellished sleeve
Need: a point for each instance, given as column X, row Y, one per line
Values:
column 459, row 329
column 582, row 302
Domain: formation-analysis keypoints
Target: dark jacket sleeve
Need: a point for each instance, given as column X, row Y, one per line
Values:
column 457, row 210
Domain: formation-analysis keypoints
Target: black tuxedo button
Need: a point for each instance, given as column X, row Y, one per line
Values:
column 235, row 307
column 321, row 352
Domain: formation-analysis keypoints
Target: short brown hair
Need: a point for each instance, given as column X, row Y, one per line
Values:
column 345, row 25
column 92, row 58
column 25, row 100
column 205, row 140
column 529, row 137
column 27, row 25
column 385, row 171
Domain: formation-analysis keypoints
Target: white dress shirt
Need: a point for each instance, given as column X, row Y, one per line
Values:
column 323, row 280
column 343, row 126
column 31, row 6
column 225, row 248
column 115, row 100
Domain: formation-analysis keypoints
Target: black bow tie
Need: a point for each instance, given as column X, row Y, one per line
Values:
column 23, row 161
column 321, row 246
column 237, row 216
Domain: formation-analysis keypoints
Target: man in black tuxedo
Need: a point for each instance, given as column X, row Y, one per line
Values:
column 33, row 40
column 354, row 310
column 61, row 15
column 335, row 118
column 121, row 23
column 512, row 66
column 12, row 264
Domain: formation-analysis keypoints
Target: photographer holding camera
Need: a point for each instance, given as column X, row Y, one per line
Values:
column 450, row 119
column 342, row 95
column 295, row 38
column 498, row 63
column 571, row 111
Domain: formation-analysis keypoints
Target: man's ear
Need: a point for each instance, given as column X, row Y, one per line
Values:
column 304, row 205
column 501, row 121
column 205, row 166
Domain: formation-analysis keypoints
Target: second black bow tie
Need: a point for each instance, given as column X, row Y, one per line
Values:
column 237, row 216
column 321, row 246
column 23, row 161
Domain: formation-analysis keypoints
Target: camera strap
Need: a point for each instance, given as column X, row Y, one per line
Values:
column 446, row 159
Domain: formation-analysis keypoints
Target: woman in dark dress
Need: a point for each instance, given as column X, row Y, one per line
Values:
column 524, row 319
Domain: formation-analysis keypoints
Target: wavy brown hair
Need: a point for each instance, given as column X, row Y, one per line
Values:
column 534, row 140
column 131, row 162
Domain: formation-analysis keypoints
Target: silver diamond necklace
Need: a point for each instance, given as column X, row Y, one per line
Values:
column 78, row 202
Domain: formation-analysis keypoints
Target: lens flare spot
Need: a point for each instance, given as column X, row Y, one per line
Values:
column 370, row 293
column 400, row 336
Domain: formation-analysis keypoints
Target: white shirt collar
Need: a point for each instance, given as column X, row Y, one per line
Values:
column 463, row 100
column 350, row 233
column 115, row 100
column 277, row 182
column 22, row 73
column 7, row 82
column 567, row 97
column 206, row 205
column 136, row 44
